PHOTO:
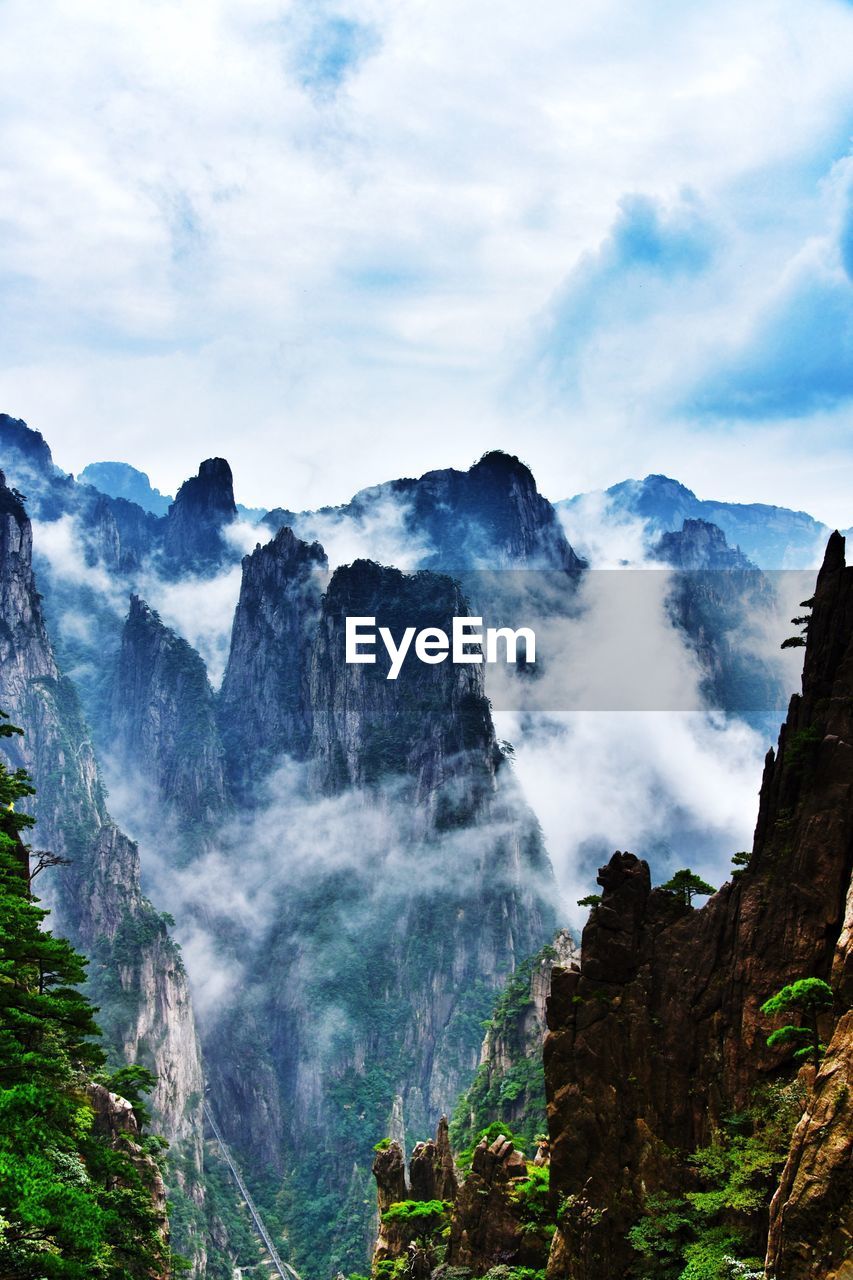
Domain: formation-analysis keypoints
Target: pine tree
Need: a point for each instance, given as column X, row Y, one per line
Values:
column 73, row 1205
column 686, row 885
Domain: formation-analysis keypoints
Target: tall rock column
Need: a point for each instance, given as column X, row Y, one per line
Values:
column 659, row 1035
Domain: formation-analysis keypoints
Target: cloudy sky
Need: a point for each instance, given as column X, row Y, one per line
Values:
column 340, row 242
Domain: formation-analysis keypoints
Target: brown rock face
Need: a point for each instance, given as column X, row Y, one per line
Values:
column 389, row 1170
column 114, row 1120
column 811, row 1218
column 487, row 1228
column 660, row 1033
column 432, row 1175
column 432, row 1172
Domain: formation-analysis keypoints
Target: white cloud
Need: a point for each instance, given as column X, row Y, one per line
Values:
column 202, row 254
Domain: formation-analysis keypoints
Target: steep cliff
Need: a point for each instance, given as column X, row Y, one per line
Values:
column 509, row 1087
column 193, row 537
column 658, row 1040
column 427, row 883
column 489, row 517
column 136, row 975
column 724, row 605
column 162, row 726
column 264, row 704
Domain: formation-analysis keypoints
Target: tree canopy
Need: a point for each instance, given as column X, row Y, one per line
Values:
column 73, row 1204
column 809, row 998
column 686, row 885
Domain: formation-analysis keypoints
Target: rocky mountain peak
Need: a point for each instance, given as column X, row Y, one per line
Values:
column 264, row 707
column 203, row 506
column 699, row 545
column 162, row 723
column 16, row 436
column 121, row 480
column 660, row 1034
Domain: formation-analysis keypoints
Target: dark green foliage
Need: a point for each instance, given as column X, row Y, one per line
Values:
column 661, row 1237
column 72, row 1206
column 425, row 1217
column 516, row 1098
column 802, row 621
column 132, row 1082
column 741, row 859
column 808, row 997
column 222, row 1217
column 717, row 1232
column 686, row 885
column 800, row 747
column 591, row 900
column 532, row 1196
column 504, row 1272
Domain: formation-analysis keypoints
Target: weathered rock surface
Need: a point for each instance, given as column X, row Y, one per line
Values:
column 489, row 517
column 136, row 974
column 114, row 1120
column 509, row 1087
column 203, row 507
column 660, row 1032
column 487, row 1227
column 265, row 710
column 719, row 598
column 432, row 1172
column 811, row 1218
column 163, row 726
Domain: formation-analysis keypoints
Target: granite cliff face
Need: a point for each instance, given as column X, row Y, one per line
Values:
column 193, row 537
column 658, row 1036
column 396, row 950
column 723, row 603
column 509, row 1087
column 136, row 973
column 489, row 517
column 264, row 706
column 162, row 726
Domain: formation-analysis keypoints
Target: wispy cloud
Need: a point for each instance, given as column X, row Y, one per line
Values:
column 336, row 225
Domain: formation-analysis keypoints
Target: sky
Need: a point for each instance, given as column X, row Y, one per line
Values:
column 342, row 242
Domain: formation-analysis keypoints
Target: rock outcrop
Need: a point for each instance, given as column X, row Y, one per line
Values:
column 488, row 1215
column 265, row 709
column 659, row 1034
column 509, row 1087
column 724, row 605
column 488, row 1227
column 403, row 944
column 203, row 508
column 489, row 517
column 114, row 1120
column 432, row 1172
column 162, row 727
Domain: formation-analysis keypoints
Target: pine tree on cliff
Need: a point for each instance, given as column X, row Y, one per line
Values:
column 687, row 885
column 72, row 1203
column 808, row 998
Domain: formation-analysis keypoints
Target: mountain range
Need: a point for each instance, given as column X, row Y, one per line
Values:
column 353, row 866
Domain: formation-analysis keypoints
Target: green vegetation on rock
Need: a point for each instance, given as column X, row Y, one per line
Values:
column 73, row 1203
